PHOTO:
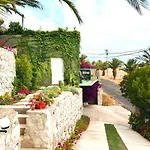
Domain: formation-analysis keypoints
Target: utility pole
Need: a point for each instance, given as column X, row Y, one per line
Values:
column 22, row 20
column 107, row 60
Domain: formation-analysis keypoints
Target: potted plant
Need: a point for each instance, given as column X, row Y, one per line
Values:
column 39, row 101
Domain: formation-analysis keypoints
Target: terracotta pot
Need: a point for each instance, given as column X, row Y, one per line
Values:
column 41, row 105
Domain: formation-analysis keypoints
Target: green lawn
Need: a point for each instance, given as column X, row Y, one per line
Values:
column 113, row 138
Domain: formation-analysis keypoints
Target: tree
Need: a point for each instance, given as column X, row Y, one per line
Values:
column 130, row 66
column 145, row 58
column 83, row 56
column 114, row 64
column 11, row 6
column 98, row 64
column 103, row 67
column 136, row 87
column 94, row 64
column 137, row 4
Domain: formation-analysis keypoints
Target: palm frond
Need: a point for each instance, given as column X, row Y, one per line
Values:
column 9, row 6
column 31, row 3
column 137, row 5
column 73, row 8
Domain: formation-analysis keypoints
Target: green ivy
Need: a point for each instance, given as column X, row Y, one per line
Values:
column 41, row 46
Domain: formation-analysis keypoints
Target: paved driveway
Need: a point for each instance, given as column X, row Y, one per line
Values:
column 114, row 90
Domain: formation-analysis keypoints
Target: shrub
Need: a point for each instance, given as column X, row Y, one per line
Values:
column 71, row 89
column 52, row 91
column 141, row 124
column 24, row 91
column 6, row 99
column 23, row 71
column 136, row 87
column 15, row 28
column 36, row 80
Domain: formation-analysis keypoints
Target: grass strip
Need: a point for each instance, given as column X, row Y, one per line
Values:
column 113, row 138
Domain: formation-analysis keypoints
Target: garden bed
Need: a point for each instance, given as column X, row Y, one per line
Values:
column 108, row 100
column 81, row 126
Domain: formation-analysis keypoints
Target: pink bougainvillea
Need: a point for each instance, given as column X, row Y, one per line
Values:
column 9, row 48
column 85, row 64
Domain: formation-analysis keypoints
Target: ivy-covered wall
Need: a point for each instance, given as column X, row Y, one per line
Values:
column 40, row 46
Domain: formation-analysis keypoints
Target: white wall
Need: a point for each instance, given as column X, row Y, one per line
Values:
column 7, row 71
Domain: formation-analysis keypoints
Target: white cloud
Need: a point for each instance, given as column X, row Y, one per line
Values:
column 112, row 25
column 31, row 21
column 108, row 24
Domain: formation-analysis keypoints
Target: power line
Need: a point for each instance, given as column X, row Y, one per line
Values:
column 123, row 53
column 128, row 53
column 118, row 55
column 95, row 54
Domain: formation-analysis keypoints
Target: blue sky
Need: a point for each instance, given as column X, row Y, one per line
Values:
column 108, row 24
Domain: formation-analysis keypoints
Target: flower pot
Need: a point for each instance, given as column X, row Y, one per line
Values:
column 41, row 105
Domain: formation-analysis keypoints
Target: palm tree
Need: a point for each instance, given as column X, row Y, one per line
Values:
column 98, row 64
column 130, row 66
column 114, row 64
column 137, row 4
column 11, row 6
column 145, row 58
column 103, row 67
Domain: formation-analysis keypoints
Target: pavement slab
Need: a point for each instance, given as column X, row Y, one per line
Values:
column 94, row 138
column 132, row 139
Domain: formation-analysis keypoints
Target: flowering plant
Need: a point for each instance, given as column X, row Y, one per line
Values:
column 85, row 64
column 24, row 91
column 40, row 101
column 9, row 48
column 6, row 99
column 81, row 126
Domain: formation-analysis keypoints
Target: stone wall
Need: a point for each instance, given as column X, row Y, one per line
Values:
column 45, row 128
column 7, row 71
column 11, row 139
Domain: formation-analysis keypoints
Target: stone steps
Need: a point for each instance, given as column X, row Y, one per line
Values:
column 22, row 109
column 24, row 145
column 22, row 118
column 32, row 149
column 24, row 103
column 22, row 128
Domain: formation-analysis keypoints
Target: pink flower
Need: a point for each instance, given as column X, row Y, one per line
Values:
column 74, row 142
column 60, row 145
column 5, row 46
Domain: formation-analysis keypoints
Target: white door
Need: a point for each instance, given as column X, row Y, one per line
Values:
column 57, row 67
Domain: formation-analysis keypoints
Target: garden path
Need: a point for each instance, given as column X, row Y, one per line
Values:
column 95, row 137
